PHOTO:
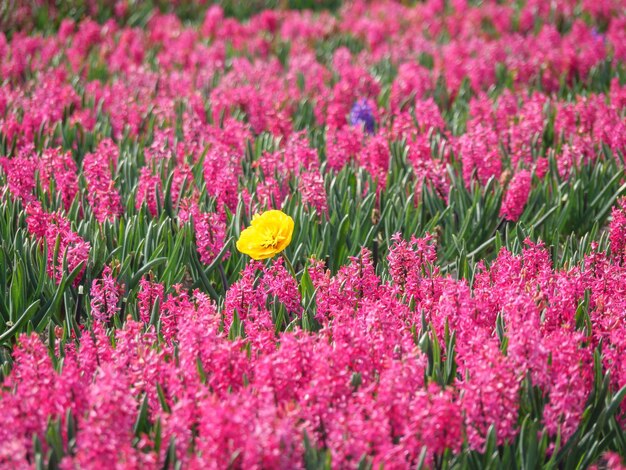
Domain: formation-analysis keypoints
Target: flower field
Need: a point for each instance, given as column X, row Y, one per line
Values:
column 313, row 234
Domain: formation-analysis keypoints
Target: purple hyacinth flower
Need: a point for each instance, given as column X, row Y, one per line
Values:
column 362, row 114
column 597, row 35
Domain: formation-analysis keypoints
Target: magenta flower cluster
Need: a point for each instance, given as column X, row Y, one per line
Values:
column 357, row 387
column 132, row 157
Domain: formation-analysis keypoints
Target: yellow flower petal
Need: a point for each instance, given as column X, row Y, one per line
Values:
column 269, row 233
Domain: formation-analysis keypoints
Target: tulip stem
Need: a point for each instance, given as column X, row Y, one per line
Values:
column 289, row 265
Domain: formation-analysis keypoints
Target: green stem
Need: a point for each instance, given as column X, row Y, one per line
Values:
column 289, row 265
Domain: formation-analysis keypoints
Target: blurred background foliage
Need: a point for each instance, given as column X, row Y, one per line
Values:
column 46, row 15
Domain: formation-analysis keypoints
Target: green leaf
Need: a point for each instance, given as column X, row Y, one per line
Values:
column 21, row 321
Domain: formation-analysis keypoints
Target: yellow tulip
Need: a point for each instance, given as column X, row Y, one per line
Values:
column 269, row 234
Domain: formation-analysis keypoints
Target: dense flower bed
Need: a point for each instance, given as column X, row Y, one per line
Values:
column 452, row 290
